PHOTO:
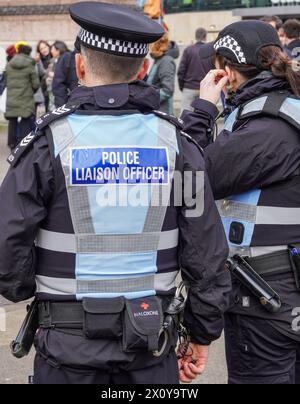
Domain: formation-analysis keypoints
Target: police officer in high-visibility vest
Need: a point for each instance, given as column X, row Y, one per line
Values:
column 94, row 222
column 254, row 171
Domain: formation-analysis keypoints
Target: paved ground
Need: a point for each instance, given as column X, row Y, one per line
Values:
column 14, row 371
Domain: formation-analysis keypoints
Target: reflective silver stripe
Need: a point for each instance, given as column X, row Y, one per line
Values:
column 69, row 243
column 165, row 282
column 237, row 210
column 60, row 242
column 278, row 216
column 129, row 285
column 59, row 286
column 55, row 286
column 78, row 197
column 168, row 239
column 255, row 251
column 256, row 105
column 291, row 110
column 266, row 215
column 62, row 134
column 161, row 194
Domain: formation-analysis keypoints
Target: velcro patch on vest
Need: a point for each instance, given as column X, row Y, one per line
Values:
column 119, row 165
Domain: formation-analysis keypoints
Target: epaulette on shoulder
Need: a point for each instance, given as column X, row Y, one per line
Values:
column 172, row 119
column 58, row 113
column 41, row 124
column 191, row 140
column 22, row 147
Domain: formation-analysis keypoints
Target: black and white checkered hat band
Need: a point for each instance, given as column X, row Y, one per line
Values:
column 116, row 46
column 231, row 44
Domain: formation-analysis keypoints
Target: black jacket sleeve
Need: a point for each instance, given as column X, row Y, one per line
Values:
column 200, row 123
column 23, row 198
column 60, row 81
column 203, row 252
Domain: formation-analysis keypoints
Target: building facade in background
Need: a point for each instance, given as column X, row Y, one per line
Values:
column 32, row 20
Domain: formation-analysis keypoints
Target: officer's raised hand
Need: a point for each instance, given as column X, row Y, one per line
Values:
column 212, row 85
column 193, row 363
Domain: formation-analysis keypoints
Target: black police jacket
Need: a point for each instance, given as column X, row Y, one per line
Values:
column 263, row 153
column 32, row 182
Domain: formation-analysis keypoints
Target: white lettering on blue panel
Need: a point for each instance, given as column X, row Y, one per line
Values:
column 119, row 165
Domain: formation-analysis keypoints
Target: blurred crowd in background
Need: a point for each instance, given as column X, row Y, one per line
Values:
column 35, row 82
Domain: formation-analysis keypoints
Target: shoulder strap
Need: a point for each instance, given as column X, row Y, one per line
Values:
column 172, row 119
column 41, row 124
column 58, row 113
column 274, row 103
column 179, row 125
column 192, row 140
column 24, row 146
column 269, row 104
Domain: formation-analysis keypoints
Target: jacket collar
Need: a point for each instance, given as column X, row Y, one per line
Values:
column 136, row 95
column 262, row 84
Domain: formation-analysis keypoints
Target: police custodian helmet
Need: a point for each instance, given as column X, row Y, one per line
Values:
column 114, row 29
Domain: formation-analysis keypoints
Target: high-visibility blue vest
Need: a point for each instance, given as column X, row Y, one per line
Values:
column 115, row 168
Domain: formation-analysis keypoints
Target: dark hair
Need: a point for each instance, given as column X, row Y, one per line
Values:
column 40, row 43
column 292, row 29
column 61, row 47
column 25, row 50
column 273, row 59
column 273, row 18
column 201, row 34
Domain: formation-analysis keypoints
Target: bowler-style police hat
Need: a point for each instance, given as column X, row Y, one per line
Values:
column 242, row 41
column 114, row 29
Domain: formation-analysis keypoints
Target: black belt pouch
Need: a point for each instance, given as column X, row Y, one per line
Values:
column 103, row 318
column 295, row 259
column 143, row 320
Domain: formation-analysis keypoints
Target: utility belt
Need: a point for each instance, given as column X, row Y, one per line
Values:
column 141, row 325
column 249, row 271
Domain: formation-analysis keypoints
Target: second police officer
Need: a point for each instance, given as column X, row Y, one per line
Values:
column 253, row 167
column 101, row 264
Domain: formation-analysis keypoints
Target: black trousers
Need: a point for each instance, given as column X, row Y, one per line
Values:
column 164, row 373
column 257, row 353
column 18, row 129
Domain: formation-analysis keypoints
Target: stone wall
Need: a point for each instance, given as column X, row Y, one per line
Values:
column 183, row 25
column 33, row 27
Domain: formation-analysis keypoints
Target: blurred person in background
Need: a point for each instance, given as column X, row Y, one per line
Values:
column 277, row 23
column 57, row 50
column 65, row 78
column 10, row 53
column 192, row 69
column 291, row 30
column 22, row 83
column 162, row 73
column 43, row 60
